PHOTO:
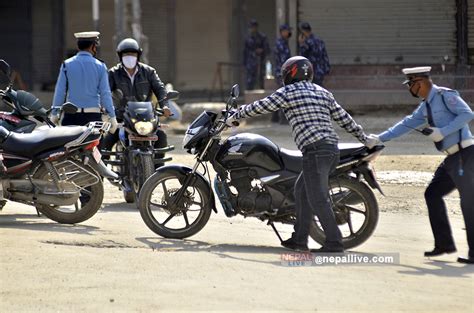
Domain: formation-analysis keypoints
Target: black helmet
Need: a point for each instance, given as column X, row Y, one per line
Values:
column 296, row 69
column 128, row 45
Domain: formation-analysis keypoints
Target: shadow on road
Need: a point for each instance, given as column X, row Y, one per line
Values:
column 35, row 223
column 119, row 207
column 441, row 268
column 222, row 250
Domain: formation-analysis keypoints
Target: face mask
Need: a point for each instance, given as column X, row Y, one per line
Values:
column 129, row 61
column 413, row 93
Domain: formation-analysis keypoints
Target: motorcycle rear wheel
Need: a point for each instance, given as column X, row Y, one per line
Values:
column 153, row 205
column 346, row 194
column 83, row 211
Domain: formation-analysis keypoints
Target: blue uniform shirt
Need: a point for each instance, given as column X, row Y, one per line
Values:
column 86, row 84
column 449, row 116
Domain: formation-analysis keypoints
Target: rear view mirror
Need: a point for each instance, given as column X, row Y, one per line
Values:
column 69, row 108
column 172, row 95
column 5, row 68
column 234, row 93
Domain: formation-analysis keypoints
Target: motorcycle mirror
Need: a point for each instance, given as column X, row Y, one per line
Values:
column 234, row 93
column 172, row 95
column 69, row 108
column 5, row 68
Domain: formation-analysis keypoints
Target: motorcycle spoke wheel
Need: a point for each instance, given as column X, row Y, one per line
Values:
column 89, row 202
column 355, row 210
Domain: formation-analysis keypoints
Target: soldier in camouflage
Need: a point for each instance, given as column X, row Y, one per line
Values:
column 281, row 54
column 314, row 49
column 255, row 52
column 282, row 51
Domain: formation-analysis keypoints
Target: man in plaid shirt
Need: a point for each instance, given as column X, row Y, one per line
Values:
column 309, row 109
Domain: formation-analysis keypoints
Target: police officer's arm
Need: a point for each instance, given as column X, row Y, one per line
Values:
column 325, row 58
column 463, row 114
column 158, row 88
column 112, row 83
column 271, row 103
column 104, row 92
column 266, row 46
column 246, row 49
column 59, row 92
column 415, row 120
column 343, row 119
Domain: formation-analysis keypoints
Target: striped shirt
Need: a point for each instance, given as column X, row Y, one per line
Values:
column 309, row 109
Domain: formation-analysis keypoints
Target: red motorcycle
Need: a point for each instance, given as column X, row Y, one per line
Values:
column 57, row 170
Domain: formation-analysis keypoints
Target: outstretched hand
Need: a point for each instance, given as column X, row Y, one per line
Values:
column 372, row 140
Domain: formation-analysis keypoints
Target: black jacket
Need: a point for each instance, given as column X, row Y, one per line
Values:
column 145, row 83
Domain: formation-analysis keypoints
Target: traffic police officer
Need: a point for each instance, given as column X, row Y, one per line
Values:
column 255, row 52
column 314, row 49
column 83, row 81
column 137, row 82
column 448, row 117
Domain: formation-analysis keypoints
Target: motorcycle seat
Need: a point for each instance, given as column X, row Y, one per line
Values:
column 350, row 151
column 292, row 159
column 38, row 141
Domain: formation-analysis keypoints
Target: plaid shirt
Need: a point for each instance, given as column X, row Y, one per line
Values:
column 309, row 109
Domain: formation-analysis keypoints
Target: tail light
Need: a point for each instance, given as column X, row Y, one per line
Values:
column 92, row 144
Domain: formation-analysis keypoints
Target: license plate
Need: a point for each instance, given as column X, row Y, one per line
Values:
column 96, row 154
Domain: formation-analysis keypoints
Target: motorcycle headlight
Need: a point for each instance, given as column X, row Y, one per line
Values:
column 187, row 138
column 144, row 128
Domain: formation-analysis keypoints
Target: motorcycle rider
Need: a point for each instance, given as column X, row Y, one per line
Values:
column 138, row 82
column 309, row 109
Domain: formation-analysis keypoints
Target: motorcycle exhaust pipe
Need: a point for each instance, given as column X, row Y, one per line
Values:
column 44, row 192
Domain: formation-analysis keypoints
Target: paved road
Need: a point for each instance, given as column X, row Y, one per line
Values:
column 113, row 263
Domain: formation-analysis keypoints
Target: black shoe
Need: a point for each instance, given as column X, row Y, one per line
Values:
column 292, row 245
column 466, row 260
column 439, row 251
column 327, row 250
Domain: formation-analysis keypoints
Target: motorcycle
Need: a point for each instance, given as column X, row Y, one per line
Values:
column 254, row 178
column 135, row 155
column 57, row 170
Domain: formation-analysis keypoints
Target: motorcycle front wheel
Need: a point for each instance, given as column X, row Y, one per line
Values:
column 186, row 218
column 355, row 209
column 89, row 203
column 143, row 166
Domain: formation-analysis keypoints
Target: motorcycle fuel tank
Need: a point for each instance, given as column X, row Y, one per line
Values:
column 249, row 150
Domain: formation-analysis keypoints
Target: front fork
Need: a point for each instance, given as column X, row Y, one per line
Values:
column 190, row 177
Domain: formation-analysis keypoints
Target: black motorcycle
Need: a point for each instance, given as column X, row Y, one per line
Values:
column 135, row 156
column 57, row 170
column 254, row 178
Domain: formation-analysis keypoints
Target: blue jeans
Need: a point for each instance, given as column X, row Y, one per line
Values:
column 312, row 193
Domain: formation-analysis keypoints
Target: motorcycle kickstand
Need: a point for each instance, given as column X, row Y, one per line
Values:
column 275, row 230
